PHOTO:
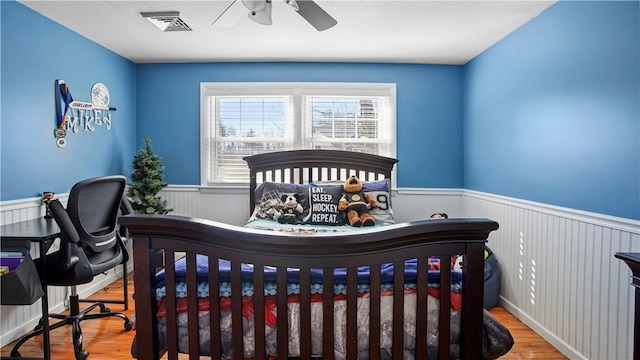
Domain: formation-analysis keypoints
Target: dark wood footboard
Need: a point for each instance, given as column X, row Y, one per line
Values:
column 327, row 251
column 633, row 261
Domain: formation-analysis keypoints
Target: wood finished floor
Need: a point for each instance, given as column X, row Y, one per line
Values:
column 107, row 339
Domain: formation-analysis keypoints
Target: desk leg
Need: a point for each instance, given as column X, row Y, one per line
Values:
column 45, row 304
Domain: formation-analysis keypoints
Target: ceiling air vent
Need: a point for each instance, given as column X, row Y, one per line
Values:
column 167, row 20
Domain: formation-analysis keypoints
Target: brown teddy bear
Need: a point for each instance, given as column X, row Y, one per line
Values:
column 355, row 203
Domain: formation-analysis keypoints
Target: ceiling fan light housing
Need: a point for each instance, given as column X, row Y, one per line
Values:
column 259, row 11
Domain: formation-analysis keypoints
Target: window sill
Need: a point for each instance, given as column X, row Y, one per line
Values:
column 228, row 189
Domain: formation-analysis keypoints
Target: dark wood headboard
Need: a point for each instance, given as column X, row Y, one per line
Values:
column 304, row 166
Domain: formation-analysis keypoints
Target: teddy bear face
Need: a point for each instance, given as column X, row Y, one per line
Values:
column 353, row 184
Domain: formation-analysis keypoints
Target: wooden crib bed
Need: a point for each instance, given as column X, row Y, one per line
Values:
column 417, row 322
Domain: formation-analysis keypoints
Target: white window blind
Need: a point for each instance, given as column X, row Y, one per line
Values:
column 240, row 119
column 245, row 125
column 347, row 123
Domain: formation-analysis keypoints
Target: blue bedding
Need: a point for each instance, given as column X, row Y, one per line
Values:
column 293, row 276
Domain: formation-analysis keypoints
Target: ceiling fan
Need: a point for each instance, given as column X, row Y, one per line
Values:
column 260, row 12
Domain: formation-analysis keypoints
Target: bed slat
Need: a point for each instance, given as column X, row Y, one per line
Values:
column 259, row 318
column 283, row 311
column 472, row 315
column 214, row 303
column 327, row 314
column 305, row 313
column 236, row 310
column 421, row 308
column 398, row 309
column 146, row 315
column 445, row 305
column 172, row 327
column 374, row 313
column 352, row 313
column 192, row 306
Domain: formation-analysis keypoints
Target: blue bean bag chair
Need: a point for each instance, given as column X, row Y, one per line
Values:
column 491, row 279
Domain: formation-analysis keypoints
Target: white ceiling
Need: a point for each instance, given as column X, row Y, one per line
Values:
column 396, row 31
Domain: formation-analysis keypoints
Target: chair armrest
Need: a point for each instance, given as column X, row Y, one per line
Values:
column 125, row 209
column 123, row 247
column 69, row 239
column 125, row 206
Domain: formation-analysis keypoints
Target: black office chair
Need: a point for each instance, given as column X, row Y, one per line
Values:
column 89, row 245
column 125, row 209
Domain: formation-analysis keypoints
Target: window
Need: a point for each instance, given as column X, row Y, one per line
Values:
column 240, row 119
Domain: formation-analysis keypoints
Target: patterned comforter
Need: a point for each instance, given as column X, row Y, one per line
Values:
column 496, row 340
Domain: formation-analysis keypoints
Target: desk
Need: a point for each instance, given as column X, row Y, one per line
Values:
column 44, row 232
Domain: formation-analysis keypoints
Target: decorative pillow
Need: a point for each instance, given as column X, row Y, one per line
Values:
column 323, row 205
column 380, row 185
column 269, row 198
column 319, row 201
column 380, row 192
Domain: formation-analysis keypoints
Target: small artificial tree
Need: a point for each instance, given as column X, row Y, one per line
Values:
column 148, row 180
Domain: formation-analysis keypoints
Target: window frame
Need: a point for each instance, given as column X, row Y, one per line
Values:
column 297, row 91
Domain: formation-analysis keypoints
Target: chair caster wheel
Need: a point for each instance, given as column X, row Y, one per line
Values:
column 128, row 325
column 105, row 310
column 82, row 355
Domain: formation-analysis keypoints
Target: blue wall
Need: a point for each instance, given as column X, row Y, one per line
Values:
column 552, row 112
column 429, row 112
column 36, row 52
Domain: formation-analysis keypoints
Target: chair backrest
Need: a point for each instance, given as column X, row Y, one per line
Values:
column 93, row 209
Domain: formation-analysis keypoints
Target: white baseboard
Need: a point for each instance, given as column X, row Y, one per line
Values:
column 550, row 337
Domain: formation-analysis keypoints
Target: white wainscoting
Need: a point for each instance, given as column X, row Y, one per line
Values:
column 226, row 205
column 559, row 274
column 19, row 320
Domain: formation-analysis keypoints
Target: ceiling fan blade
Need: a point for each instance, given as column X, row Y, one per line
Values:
column 315, row 15
column 223, row 12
